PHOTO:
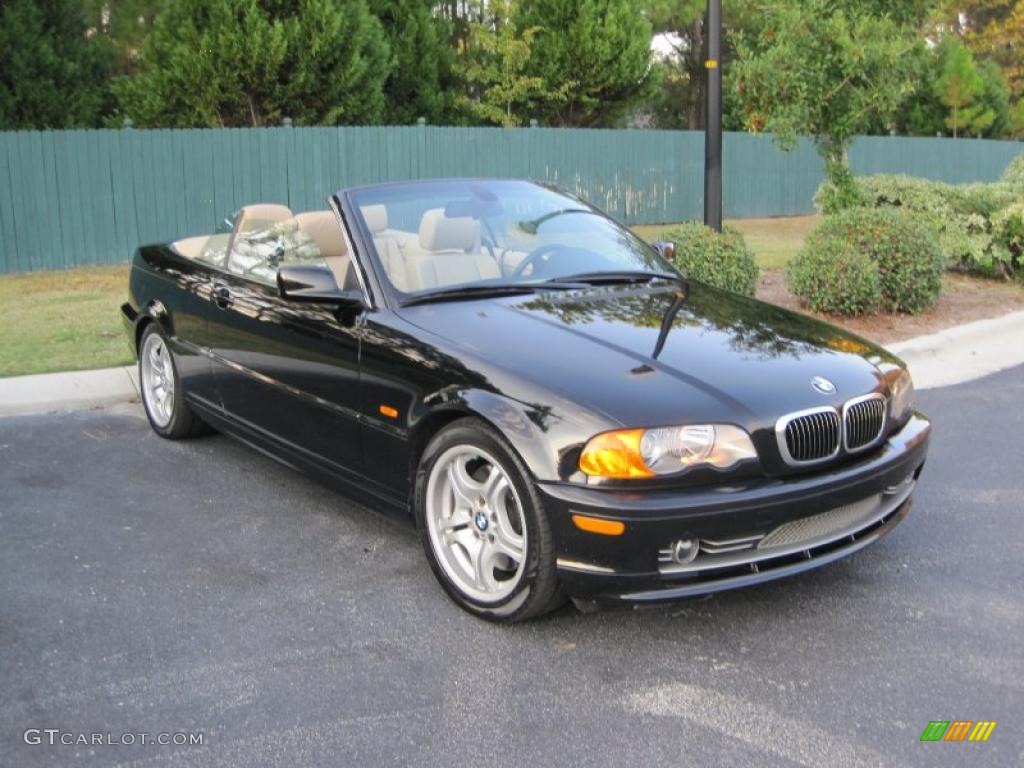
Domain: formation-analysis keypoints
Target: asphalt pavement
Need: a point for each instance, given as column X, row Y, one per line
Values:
column 200, row 588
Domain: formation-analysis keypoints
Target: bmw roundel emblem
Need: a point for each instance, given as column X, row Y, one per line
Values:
column 480, row 520
column 823, row 385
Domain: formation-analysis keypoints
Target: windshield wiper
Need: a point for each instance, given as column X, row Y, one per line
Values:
column 614, row 278
column 467, row 292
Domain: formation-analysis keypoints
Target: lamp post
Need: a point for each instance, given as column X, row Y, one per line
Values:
column 713, row 117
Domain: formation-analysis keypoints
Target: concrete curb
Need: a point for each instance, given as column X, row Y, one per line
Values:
column 940, row 359
column 71, row 391
column 964, row 352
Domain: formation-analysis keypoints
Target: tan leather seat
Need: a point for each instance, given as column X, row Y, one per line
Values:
column 261, row 215
column 388, row 244
column 323, row 227
column 448, row 253
column 376, row 218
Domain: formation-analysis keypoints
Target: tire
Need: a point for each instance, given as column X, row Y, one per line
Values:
column 477, row 511
column 163, row 396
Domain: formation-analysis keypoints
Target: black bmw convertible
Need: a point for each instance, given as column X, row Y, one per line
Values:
column 561, row 412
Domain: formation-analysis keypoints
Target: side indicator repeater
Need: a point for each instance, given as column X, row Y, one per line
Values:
column 599, row 525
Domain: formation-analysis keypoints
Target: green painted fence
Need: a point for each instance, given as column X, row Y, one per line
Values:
column 90, row 197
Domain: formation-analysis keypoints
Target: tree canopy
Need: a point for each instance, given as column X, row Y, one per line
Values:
column 255, row 62
column 51, row 74
column 959, row 87
column 421, row 82
column 921, row 67
column 597, row 51
column 824, row 69
column 493, row 64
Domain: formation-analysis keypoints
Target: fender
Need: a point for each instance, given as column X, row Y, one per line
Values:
column 548, row 439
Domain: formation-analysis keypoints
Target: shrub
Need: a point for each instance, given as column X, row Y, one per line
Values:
column 904, row 250
column 959, row 215
column 902, row 253
column 831, row 275
column 1008, row 226
column 719, row 259
column 1014, row 173
column 988, row 199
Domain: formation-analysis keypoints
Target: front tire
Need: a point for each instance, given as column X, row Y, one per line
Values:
column 162, row 393
column 483, row 526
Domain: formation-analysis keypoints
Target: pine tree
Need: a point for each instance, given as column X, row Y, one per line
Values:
column 210, row 63
column 421, row 77
column 493, row 64
column 959, row 87
column 598, row 50
column 51, row 74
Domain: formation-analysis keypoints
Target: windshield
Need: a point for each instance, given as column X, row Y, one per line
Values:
column 439, row 236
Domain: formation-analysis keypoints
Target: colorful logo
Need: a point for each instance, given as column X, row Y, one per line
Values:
column 958, row 730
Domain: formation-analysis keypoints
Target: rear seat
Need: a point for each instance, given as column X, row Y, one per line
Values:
column 323, row 227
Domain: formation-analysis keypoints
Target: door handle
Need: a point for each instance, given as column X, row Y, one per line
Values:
column 222, row 295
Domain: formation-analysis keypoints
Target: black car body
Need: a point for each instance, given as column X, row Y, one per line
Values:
column 351, row 381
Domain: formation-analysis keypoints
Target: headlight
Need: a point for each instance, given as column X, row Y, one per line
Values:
column 665, row 451
column 901, row 394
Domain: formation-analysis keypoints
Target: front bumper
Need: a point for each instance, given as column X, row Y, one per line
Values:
column 750, row 532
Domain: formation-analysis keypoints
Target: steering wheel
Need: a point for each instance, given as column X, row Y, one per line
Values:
column 534, row 256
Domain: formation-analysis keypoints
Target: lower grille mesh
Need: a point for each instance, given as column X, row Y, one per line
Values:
column 823, row 526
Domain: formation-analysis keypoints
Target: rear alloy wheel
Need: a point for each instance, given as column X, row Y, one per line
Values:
column 483, row 528
column 162, row 393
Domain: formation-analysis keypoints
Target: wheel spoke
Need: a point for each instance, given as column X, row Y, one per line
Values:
column 459, row 518
column 464, row 488
column 511, row 546
column 493, row 486
column 483, row 566
column 510, row 542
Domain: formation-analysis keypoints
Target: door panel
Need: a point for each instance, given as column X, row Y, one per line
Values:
column 287, row 369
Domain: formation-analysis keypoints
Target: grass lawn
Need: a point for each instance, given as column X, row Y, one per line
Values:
column 773, row 241
column 68, row 320
column 64, row 320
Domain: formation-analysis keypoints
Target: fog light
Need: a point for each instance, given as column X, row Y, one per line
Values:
column 685, row 550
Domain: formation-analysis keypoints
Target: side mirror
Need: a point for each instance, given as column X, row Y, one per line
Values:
column 665, row 248
column 314, row 284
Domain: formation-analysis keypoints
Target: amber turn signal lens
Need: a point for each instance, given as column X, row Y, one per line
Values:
column 615, row 454
column 387, row 410
column 599, row 525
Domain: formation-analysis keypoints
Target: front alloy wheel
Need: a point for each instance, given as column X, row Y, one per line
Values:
column 483, row 526
column 476, row 524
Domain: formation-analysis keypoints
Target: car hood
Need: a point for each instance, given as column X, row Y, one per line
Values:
column 662, row 354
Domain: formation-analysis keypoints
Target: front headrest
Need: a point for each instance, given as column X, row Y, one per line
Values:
column 438, row 233
column 323, row 227
column 262, row 214
column 376, row 217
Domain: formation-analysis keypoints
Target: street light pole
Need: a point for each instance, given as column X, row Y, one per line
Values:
column 713, row 117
